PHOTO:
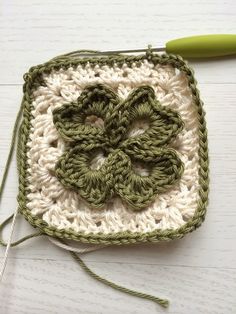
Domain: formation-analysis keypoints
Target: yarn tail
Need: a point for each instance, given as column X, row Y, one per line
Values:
column 163, row 302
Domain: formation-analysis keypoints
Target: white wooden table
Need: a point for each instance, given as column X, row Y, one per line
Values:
column 197, row 273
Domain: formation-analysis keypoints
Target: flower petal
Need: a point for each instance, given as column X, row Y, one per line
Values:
column 138, row 190
column 70, row 119
column 74, row 171
column 163, row 123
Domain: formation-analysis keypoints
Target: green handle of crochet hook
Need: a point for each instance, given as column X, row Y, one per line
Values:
column 203, row 46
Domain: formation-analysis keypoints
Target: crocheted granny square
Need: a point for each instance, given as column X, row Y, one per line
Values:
column 113, row 149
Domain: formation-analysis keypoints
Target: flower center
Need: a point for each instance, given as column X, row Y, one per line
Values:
column 97, row 160
column 141, row 169
column 94, row 120
column 139, row 126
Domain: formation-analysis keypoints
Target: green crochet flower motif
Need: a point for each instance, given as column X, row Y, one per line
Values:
column 118, row 174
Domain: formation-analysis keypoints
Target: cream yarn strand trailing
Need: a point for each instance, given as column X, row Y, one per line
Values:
column 70, row 248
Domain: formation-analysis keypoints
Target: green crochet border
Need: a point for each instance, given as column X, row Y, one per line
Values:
column 33, row 79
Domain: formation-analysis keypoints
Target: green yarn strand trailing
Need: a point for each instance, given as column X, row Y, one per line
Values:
column 11, row 151
column 162, row 302
column 23, row 239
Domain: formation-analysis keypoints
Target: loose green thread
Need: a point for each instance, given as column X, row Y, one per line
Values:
column 21, row 240
column 117, row 176
column 11, row 151
column 162, row 302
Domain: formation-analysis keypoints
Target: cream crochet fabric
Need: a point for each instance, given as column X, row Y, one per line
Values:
column 61, row 207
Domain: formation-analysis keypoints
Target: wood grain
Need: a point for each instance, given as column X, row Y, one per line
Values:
column 48, row 286
column 197, row 273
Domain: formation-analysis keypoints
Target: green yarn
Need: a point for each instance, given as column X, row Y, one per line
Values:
column 21, row 240
column 117, row 175
column 34, row 79
column 3, row 182
column 11, row 151
column 163, row 302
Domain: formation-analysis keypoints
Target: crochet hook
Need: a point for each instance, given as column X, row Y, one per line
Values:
column 203, row 46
